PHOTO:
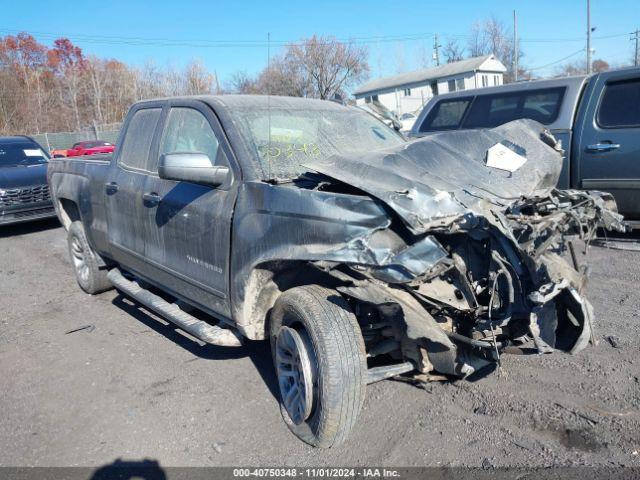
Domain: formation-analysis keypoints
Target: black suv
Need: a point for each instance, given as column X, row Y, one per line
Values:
column 24, row 193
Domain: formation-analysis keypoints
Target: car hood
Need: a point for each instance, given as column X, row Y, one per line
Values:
column 432, row 181
column 23, row 176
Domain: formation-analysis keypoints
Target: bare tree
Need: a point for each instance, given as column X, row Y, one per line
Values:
column 58, row 89
column 424, row 55
column 579, row 67
column 198, row 80
column 399, row 57
column 491, row 36
column 452, row 51
column 477, row 43
column 241, row 82
column 331, row 66
column 599, row 65
column 318, row 67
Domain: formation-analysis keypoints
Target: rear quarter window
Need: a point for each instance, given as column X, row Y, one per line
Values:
column 446, row 115
column 620, row 105
column 542, row 105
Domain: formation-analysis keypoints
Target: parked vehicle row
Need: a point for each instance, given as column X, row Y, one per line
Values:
column 358, row 255
column 596, row 117
column 90, row 147
column 24, row 192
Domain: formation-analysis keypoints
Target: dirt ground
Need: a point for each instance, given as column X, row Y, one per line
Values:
column 134, row 388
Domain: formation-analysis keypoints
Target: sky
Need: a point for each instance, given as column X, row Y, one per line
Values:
column 232, row 36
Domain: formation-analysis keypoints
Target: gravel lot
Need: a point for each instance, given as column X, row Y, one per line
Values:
column 135, row 388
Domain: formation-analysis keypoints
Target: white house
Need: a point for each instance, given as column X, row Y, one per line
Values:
column 408, row 92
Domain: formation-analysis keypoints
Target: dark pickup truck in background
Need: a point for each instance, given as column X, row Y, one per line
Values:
column 24, row 192
column 596, row 117
column 358, row 255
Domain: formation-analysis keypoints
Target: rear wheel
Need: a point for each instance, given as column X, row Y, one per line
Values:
column 320, row 361
column 85, row 261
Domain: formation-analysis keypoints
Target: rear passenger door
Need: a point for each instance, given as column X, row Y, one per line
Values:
column 123, row 189
column 607, row 146
column 189, row 225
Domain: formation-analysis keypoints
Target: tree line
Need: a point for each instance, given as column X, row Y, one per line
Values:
column 58, row 88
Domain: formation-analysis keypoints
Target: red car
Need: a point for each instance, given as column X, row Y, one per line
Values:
column 90, row 148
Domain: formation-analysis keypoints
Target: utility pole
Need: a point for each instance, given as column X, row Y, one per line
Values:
column 436, row 52
column 636, row 37
column 515, row 46
column 588, row 36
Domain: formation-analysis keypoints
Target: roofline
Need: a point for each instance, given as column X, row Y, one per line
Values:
column 475, row 67
column 400, row 86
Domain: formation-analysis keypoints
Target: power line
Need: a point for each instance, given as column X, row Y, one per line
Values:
column 558, row 61
column 247, row 43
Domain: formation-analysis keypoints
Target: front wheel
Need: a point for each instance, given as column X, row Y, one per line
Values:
column 320, row 360
column 91, row 278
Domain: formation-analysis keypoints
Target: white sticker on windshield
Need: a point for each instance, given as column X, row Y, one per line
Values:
column 502, row 157
column 285, row 135
column 33, row 152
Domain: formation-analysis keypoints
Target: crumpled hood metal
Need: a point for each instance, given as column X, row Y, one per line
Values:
column 432, row 181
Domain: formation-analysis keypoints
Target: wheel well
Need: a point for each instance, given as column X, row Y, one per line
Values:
column 266, row 283
column 69, row 212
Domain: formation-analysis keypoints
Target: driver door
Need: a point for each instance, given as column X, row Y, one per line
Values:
column 188, row 243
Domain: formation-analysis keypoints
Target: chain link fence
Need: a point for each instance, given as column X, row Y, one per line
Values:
column 64, row 140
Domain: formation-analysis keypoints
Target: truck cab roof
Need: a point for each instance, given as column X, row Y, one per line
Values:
column 569, row 87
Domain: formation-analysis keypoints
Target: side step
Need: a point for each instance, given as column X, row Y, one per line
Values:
column 377, row 374
column 172, row 312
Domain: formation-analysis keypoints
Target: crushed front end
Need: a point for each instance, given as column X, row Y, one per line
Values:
column 476, row 262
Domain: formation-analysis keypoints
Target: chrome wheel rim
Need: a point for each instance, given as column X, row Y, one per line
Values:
column 78, row 258
column 295, row 374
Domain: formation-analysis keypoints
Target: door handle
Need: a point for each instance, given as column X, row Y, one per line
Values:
column 111, row 188
column 150, row 199
column 602, row 147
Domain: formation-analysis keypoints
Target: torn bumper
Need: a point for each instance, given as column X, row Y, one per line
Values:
column 479, row 261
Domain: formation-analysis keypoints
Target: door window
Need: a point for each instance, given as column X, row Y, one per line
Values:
column 446, row 115
column 188, row 130
column 138, row 137
column 620, row 105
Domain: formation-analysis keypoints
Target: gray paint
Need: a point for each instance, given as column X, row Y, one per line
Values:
column 616, row 171
column 408, row 220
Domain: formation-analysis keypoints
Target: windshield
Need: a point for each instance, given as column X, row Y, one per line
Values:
column 21, row 154
column 300, row 135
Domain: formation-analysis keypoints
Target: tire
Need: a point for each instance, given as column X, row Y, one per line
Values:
column 322, row 326
column 85, row 261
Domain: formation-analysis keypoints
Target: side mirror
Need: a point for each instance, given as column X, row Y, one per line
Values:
column 191, row 167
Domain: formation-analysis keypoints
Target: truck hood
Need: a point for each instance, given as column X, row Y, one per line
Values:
column 23, row 176
column 430, row 182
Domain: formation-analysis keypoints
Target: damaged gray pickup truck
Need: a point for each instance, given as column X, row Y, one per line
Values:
column 360, row 256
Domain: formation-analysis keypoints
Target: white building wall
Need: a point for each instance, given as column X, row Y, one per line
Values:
column 399, row 102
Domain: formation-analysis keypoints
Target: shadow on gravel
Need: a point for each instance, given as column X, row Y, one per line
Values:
column 126, row 469
column 258, row 352
column 28, row 227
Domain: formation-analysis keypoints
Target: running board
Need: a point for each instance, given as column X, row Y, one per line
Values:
column 201, row 330
column 377, row 374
